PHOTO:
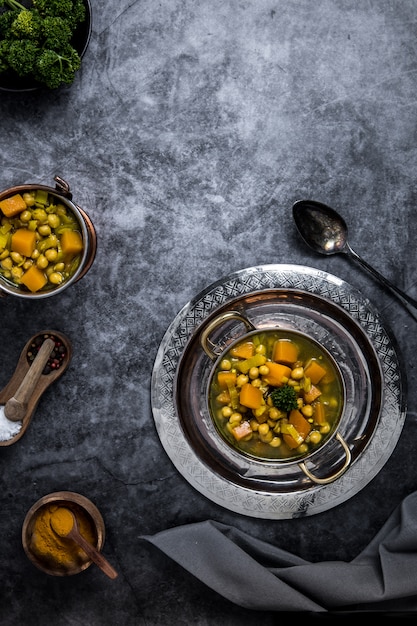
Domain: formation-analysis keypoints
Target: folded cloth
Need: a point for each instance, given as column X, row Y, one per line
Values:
column 256, row 575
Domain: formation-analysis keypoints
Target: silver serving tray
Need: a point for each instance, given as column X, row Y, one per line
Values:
column 336, row 315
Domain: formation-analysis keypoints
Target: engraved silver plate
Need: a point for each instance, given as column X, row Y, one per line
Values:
column 335, row 314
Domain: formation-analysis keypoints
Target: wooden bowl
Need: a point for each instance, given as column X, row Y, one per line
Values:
column 82, row 508
column 45, row 380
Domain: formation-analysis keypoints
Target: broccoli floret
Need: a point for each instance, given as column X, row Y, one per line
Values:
column 57, row 33
column 72, row 11
column 22, row 56
column 36, row 41
column 27, row 25
column 4, row 56
column 284, row 398
column 53, row 69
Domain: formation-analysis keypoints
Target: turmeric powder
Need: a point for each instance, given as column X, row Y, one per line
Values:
column 55, row 551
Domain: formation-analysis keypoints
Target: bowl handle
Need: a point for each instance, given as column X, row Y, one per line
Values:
column 208, row 346
column 329, row 479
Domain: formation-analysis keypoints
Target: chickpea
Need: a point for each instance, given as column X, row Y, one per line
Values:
column 44, row 230
column 263, row 428
column 17, row 258
column 51, row 254
column 26, row 265
column 275, row 442
column 263, row 370
column 235, row 418
column 40, row 215
column 42, row 262
column 297, row 373
column 4, row 254
column 55, row 278
column 54, row 220
column 7, row 263
column 224, row 365
column 29, row 198
column 16, row 272
column 253, row 373
column 242, row 380
column 226, row 411
column 25, row 216
column 59, row 267
column 259, row 412
column 267, row 438
column 300, row 403
column 315, row 437
column 307, row 410
column 274, row 413
column 325, row 428
column 254, row 424
column 35, row 254
column 302, row 448
column 261, row 349
column 256, row 383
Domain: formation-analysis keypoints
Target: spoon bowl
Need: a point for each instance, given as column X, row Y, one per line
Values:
column 326, row 232
column 64, row 523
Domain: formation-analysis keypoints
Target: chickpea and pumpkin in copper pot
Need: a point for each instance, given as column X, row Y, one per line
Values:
column 46, row 241
column 275, row 395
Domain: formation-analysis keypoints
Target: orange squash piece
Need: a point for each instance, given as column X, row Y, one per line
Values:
column 13, row 206
column 226, row 379
column 23, row 241
column 285, row 351
column 71, row 243
column 242, row 430
column 313, row 394
column 319, row 413
column 34, row 279
column 314, row 371
column 277, row 371
column 243, row 350
column 250, row 396
column 301, row 425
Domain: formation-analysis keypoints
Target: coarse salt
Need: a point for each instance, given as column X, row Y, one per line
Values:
column 8, row 429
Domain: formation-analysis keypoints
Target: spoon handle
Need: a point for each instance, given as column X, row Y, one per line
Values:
column 409, row 303
column 15, row 407
column 94, row 554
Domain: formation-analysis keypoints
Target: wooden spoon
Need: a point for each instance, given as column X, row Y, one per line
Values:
column 69, row 528
column 16, row 407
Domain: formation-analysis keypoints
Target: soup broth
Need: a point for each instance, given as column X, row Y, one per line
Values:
column 276, row 395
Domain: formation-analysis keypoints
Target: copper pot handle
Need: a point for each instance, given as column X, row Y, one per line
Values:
column 208, row 346
column 330, row 479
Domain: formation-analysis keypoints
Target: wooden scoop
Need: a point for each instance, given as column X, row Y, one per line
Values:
column 23, row 366
column 16, row 407
column 64, row 524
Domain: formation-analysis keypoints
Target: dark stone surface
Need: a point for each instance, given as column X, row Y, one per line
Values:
column 187, row 135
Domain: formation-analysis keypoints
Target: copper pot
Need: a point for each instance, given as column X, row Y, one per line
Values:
column 63, row 194
column 216, row 353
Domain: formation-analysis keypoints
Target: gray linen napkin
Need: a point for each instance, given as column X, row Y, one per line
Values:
column 256, row 575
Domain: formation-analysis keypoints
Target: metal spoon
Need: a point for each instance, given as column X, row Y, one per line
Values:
column 16, row 407
column 72, row 532
column 326, row 232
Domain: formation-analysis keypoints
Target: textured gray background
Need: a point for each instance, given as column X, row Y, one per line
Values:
column 189, row 132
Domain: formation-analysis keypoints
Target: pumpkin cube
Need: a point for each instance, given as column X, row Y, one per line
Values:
column 285, row 351
column 13, row 205
column 278, row 374
column 250, row 396
column 23, row 241
column 71, row 243
column 34, row 279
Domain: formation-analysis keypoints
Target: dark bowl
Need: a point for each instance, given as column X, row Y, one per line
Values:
column 9, row 81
